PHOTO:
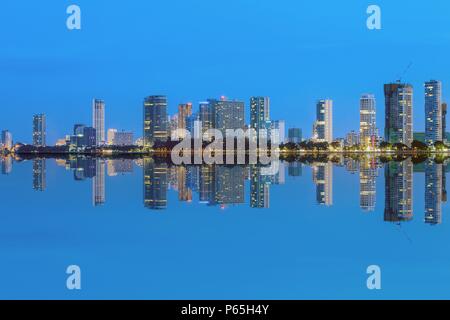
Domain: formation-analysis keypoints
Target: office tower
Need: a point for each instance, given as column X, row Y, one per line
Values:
column 39, row 130
column 433, row 112
column 155, row 184
column 399, row 113
column 120, row 138
column 351, row 139
column 184, row 111
column 324, row 121
column 110, row 136
column 155, row 120
column 323, row 178
column 444, row 122
column 368, row 173
column 84, row 168
column 98, row 116
column 398, row 191
column 39, row 174
column 433, row 192
column 98, row 183
column 194, row 126
column 83, row 136
column 259, row 188
column 367, row 120
column 259, row 113
column 229, row 185
column 206, row 114
column 277, row 131
column 295, row 135
column 228, row 114
column 7, row 139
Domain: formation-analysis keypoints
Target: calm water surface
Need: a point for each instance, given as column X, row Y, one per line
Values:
column 145, row 229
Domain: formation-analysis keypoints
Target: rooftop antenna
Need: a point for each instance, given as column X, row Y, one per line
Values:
column 400, row 77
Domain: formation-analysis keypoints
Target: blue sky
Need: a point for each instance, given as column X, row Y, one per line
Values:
column 293, row 51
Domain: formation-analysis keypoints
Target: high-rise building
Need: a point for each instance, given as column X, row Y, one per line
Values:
column 111, row 135
column 433, row 192
column 444, row 122
column 7, row 139
column 277, row 131
column 295, row 135
column 228, row 114
column 155, row 120
column 184, row 111
column 351, row 139
column 324, row 121
column 83, row 136
column 206, row 115
column 229, row 185
column 120, row 138
column 433, row 112
column 259, row 113
column 39, row 130
column 398, row 191
column 39, row 174
column 98, row 117
column 399, row 113
column 367, row 120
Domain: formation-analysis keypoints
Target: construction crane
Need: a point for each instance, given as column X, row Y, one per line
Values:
column 400, row 77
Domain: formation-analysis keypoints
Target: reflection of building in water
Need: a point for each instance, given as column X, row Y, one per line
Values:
column 398, row 191
column 229, row 184
column 7, row 165
column 119, row 166
column 184, row 192
column 323, row 178
column 351, row 165
column 368, row 184
column 295, row 169
column 259, row 188
column 155, row 184
column 206, row 184
column 39, row 174
column 98, row 183
column 444, row 186
column 192, row 178
column 84, row 168
column 433, row 192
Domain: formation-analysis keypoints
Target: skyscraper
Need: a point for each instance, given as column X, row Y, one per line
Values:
column 98, row 116
column 367, row 120
column 184, row 111
column 444, row 122
column 228, row 114
column 433, row 112
column 399, row 113
column 295, row 135
column 39, row 130
column 155, row 120
column 206, row 115
column 259, row 113
column 324, row 121
column 7, row 139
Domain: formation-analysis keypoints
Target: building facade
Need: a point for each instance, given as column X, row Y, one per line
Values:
column 155, row 120
column 98, row 119
column 324, row 121
column 433, row 112
column 367, row 120
column 39, row 130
